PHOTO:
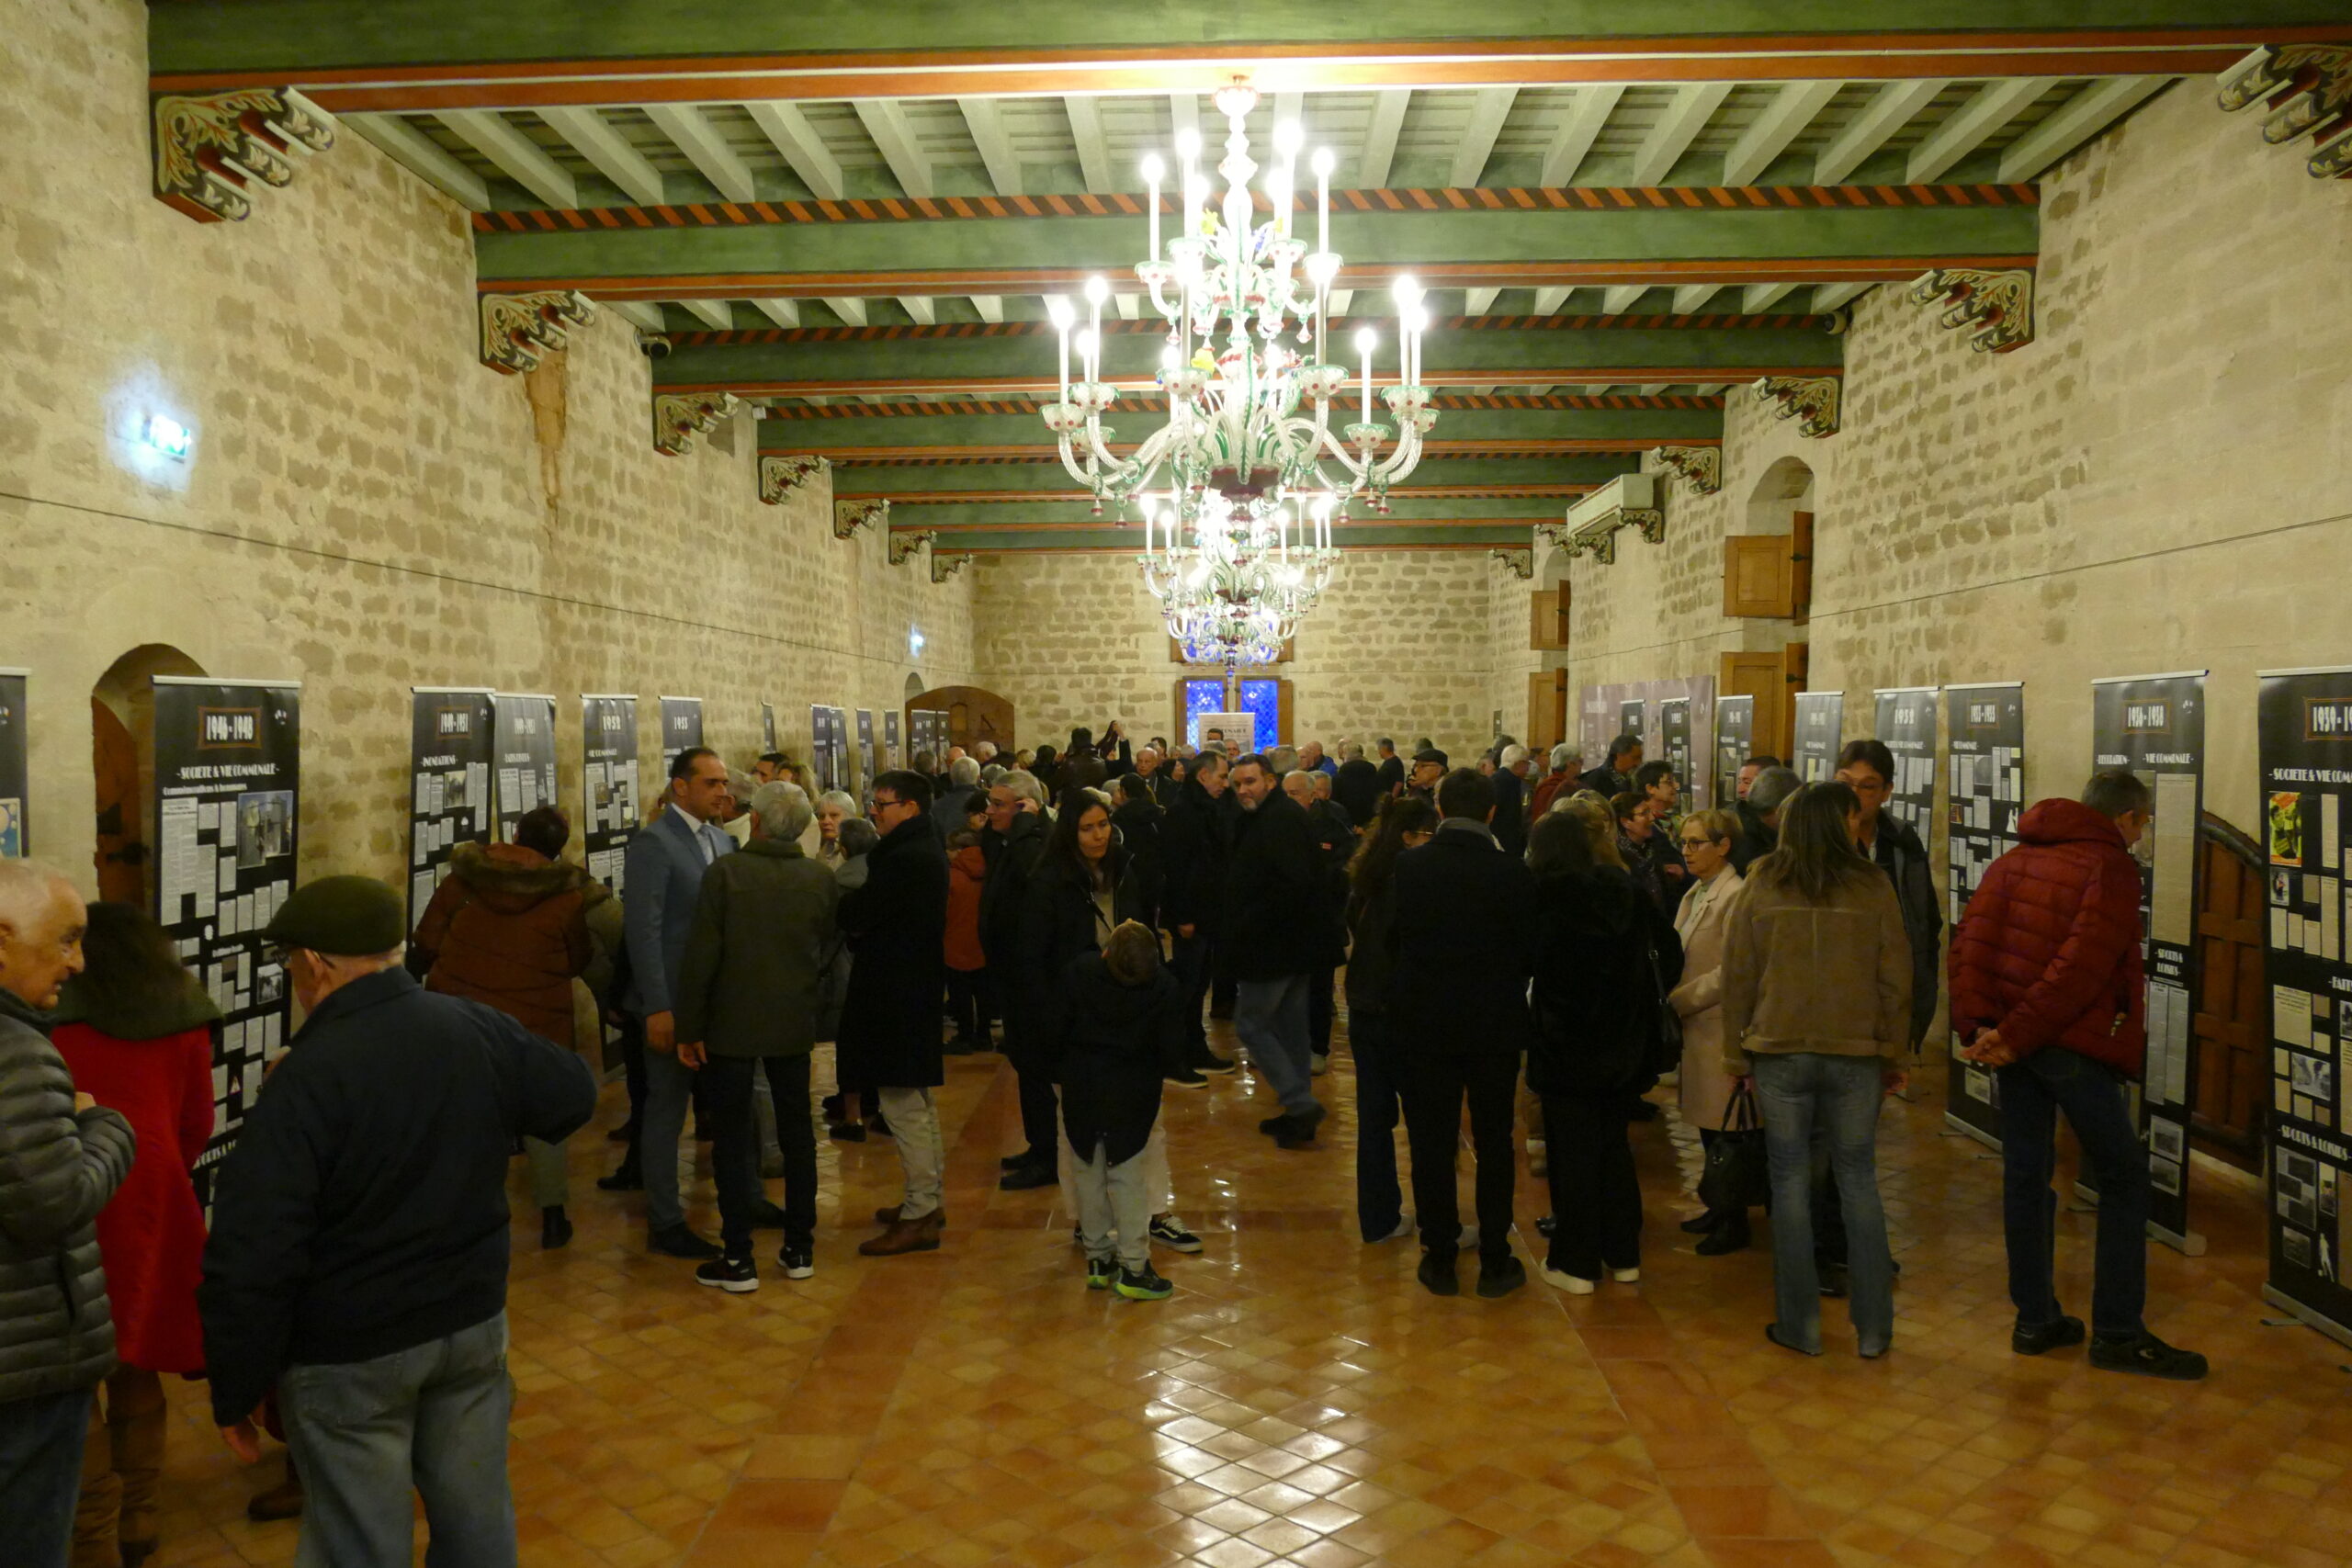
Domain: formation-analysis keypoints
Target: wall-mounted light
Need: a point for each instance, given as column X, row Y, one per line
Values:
column 167, row 436
column 914, row 644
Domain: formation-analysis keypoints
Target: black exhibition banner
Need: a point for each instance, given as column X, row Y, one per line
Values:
column 866, row 748
column 1735, row 743
column 525, row 779
column 1820, row 721
column 681, row 728
column 228, row 762
column 1674, row 745
column 1906, row 725
column 608, row 784
column 1984, row 796
column 1630, row 716
column 768, row 728
column 450, row 737
column 2155, row 725
column 829, row 746
column 2305, row 742
column 891, row 740
column 16, row 766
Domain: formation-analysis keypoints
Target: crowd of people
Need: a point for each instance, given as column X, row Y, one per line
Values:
column 1539, row 947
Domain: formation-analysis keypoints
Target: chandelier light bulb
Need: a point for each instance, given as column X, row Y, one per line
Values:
column 1289, row 139
column 1153, row 169
column 1187, row 143
column 1087, row 339
column 1366, row 341
column 1324, row 163
column 1406, row 292
column 1060, row 311
column 1099, row 290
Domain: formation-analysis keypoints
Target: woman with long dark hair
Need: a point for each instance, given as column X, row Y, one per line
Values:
column 1816, row 1004
column 136, row 1031
column 1404, row 823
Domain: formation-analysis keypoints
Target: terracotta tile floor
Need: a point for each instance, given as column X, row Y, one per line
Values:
column 1302, row 1401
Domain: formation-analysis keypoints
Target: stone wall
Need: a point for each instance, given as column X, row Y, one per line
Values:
column 367, row 506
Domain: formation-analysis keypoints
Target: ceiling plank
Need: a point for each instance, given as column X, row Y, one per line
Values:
column 1579, row 131
column 802, row 148
column 921, row 307
column 1183, row 111
column 983, row 118
column 1692, row 296
column 1291, row 108
column 849, row 309
column 886, row 121
column 783, row 313
column 1693, row 105
column 1828, row 297
column 2088, row 113
column 1479, row 302
column 1548, row 302
column 643, row 314
column 1489, row 106
column 1994, row 105
column 1757, row 297
column 1340, row 298
column 1094, row 154
column 593, row 138
column 991, row 307
column 1618, row 301
column 1889, row 111
column 517, row 155
column 423, row 157
column 1768, row 135
column 716, row 314
column 1380, row 138
column 705, row 148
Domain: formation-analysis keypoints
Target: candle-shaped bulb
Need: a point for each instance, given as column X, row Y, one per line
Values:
column 1187, row 143
column 1153, row 169
column 1059, row 311
column 1289, row 138
column 1366, row 341
column 1099, row 290
column 1323, row 162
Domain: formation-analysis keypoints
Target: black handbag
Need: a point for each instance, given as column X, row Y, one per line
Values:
column 1666, row 1037
column 1737, row 1176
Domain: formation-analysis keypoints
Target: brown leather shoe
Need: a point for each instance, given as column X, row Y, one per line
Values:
column 283, row 1501
column 889, row 1216
column 904, row 1235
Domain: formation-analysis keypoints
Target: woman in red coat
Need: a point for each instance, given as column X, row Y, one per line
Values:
column 136, row 1031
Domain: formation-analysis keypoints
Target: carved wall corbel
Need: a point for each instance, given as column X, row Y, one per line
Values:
column 780, row 476
column 678, row 420
column 2316, row 82
column 848, row 516
column 1553, row 534
column 1518, row 563
column 1999, row 304
column 1649, row 522
column 905, row 544
column 945, row 567
column 517, row 330
column 1601, row 545
column 1812, row 401
column 1701, row 466
column 210, row 147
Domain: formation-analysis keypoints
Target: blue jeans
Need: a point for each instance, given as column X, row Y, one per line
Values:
column 1380, row 1203
column 2032, row 1093
column 1797, row 1091
column 669, row 1088
column 1271, row 1018
column 41, row 1476
column 431, row 1418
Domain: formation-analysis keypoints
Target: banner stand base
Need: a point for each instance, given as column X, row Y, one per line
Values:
column 1954, row 1125
column 2189, row 1244
column 2308, row 1317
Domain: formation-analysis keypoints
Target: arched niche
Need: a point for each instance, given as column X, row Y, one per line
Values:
column 122, row 756
column 973, row 714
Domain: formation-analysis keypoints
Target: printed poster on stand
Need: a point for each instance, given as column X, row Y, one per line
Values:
column 1674, row 745
column 15, row 765
column 1642, row 708
column 681, row 728
column 829, row 746
column 526, row 755
column 228, row 782
column 609, row 783
column 1904, row 722
column 2305, row 745
column 1984, row 796
column 768, row 728
column 2155, row 725
column 451, row 731
column 891, row 755
column 1735, row 743
column 865, row 757
column 1820, row 724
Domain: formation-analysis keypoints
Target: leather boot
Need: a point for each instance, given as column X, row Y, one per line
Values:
column 889, row 1216
column 903, row 1236
column 283, row 1501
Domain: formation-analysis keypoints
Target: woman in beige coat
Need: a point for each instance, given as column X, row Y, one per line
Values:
column 1706, row 840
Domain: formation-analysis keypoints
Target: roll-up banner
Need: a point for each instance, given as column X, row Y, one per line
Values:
column 767, row 727
column 1735, row 743
column 866, row 759
column 1984, row 735
column 609, row 782
column 1674, row 745
column 681, row 728
column 228, row 776
column 526, row 757
column 15, row 765
column 827, row 751
column 1820, row 719
column 2155, row 725
column 890, row 758
column 2305, row 722
column 1630, row 716
column 451, row 734
column 1904, row 723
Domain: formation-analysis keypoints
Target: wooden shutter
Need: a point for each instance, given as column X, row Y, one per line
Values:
column 1547, row 623
column 1800, row 565
column 1757, row 576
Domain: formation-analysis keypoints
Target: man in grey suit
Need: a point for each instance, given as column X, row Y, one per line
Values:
column 663, row 874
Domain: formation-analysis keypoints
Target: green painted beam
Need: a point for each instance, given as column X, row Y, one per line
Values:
column 908, row 486
column 1459, row 249
column 1633, row 427
column 1130, row 540
column 1079, row 513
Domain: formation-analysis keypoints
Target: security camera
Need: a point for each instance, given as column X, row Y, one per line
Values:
column 653, row 346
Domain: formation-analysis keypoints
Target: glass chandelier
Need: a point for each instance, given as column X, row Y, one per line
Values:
column 1237, row 491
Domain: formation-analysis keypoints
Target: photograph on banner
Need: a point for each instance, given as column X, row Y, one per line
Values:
column 609, row 783
column 768, row 728
column 1673, row 747
column 681, row 728
column 525, row 747
column 451, row 733
column 868, row 765
column 1630, row 713
column 1904, row 720
column 2304, row 739
column 2155, row 725
column 891, row 755
column 15, row 770
column 228, row 777
column 1984, row 796
column 1735, row 743
column 826, row 761
column 1820, row 728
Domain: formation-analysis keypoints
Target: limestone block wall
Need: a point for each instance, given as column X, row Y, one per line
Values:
column 1399, row 646
column 367, row 506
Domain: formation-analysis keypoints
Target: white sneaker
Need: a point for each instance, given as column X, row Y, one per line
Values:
column 1404, row 1230
column 1625, row 1276
column 1321, row 1063
column 1568, row 1282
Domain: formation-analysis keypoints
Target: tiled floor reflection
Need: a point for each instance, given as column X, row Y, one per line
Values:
column 1302, row 1401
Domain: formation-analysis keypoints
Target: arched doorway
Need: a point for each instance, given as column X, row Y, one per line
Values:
column 122, row 731
column 1767, row 590
column 973, row 715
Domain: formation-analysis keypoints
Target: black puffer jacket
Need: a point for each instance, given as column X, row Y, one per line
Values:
column 58, row 1167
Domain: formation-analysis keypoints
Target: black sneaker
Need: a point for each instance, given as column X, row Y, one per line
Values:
column 1186, row 1078
column 797, row 1259
column 1100, row 1271
column 629, row 1178
column 1014, row 1162
column 1834, row 1283
column 680, row 1242
column 2146, row 1355
column 1501, row 1277
column 736, row 1276
column 1022, row 1178
column 1170, row 1232
column 766, row 1216
column 2055, row 1335
column 1272, row 1125
column 1212, row 1063
column 847, row 1131
column 1437, row 1276
column 1142, row 1285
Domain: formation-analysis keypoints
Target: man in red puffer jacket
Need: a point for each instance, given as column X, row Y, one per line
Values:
column 2047, row 989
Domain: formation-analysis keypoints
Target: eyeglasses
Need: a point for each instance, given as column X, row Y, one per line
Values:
column 1698, row 843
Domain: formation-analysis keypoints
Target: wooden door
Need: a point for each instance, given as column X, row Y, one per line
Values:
column 2233, row 1028
column 1765, row 677
column 1547, row 710
column 121, row 856
column 973, row 715
column 1800, row 565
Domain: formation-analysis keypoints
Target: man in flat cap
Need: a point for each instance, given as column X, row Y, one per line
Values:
column 357, row 1261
